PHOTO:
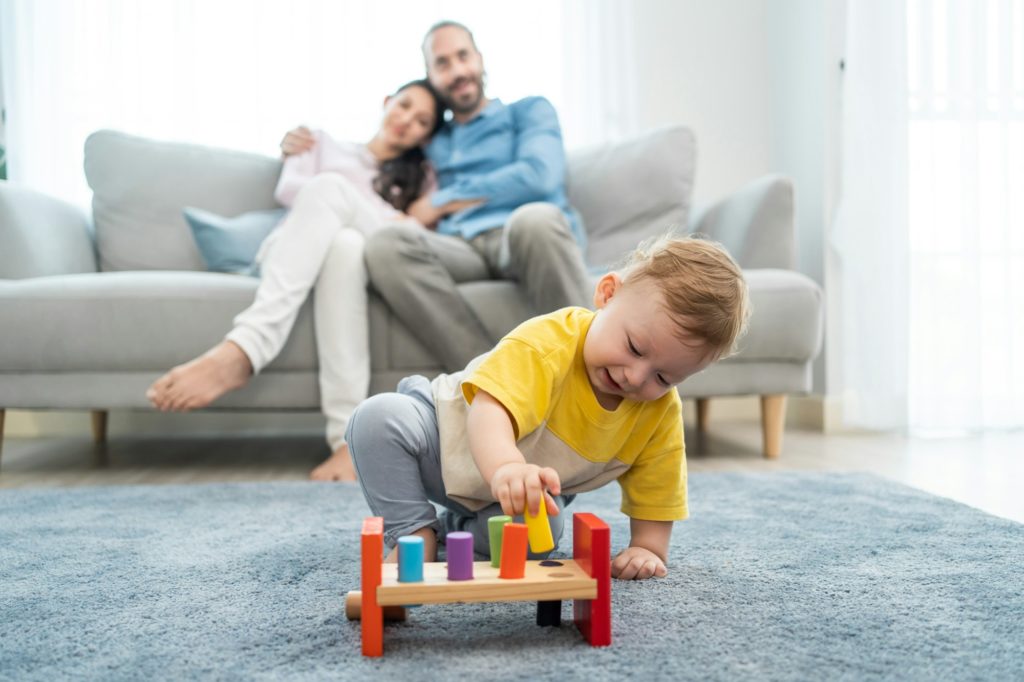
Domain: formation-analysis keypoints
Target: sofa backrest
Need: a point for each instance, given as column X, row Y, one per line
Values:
column 625, row 192
column 140, row 186
column 630, row 190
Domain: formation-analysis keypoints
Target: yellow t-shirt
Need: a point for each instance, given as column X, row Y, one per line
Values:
column 537, row 373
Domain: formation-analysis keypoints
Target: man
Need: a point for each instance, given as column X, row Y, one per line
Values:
column 500, row 210
column 510, row 159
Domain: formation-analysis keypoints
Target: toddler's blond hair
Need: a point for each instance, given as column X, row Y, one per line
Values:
column 704, row 289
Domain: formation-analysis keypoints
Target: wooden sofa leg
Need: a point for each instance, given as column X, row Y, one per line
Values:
column 773, row 423
column 99, row 437
column 702, row 414
column 99, row 427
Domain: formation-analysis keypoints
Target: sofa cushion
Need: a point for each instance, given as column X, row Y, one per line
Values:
column 135, row 321
column 140, row 186
column 632, row 190
column 785, row 321
column 231, row 244
column 130, row 321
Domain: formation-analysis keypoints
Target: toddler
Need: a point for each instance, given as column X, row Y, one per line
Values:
column 565, row 403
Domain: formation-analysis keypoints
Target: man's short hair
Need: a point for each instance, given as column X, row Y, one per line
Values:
column 445, row 23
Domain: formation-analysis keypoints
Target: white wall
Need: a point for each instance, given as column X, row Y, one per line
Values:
column 704, row 64
column 757, row 81
column 805, row 50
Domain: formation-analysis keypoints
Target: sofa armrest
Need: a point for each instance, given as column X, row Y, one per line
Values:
column 42, row 235
column 756, row 224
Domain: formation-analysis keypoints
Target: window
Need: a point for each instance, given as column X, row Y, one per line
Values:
column 965, row 71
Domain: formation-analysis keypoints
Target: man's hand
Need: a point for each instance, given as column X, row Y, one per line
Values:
column 428, row 214
column 423, row 211
column 460, row 205
column 518, row 486
column 297, row 141
column 637, row 563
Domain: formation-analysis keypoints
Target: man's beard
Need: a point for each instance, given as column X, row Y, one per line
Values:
column 463, row 107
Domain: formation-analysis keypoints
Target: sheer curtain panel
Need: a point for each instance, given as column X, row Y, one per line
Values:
column 930, row 229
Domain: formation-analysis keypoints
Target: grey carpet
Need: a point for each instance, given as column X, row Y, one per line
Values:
column 789, row 576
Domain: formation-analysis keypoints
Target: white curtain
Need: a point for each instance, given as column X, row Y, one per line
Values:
column 239, row 73
column 599, row 96
column 930, row 229
column 966, row 198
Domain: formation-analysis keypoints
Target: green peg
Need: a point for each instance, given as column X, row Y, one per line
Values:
column 495, row 530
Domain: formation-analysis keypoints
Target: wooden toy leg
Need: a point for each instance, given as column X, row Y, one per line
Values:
column 354, row 608
column 591, row 548
column 549, row 613
column 372, row 556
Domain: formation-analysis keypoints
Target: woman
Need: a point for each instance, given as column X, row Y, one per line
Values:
column 338, row 193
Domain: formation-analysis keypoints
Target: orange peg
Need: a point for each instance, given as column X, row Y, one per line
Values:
column 513, row 551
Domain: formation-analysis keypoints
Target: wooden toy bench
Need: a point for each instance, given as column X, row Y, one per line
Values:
column 586, row 579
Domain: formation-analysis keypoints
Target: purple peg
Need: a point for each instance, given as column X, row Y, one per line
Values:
column 460, row 555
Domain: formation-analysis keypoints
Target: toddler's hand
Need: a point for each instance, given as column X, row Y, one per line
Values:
column 518, row 485
column 637, row 563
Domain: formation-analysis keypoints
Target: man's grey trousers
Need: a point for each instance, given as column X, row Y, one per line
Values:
column 416, row 272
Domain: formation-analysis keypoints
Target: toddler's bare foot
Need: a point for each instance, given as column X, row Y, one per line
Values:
column 337, row 467
column 199, row 382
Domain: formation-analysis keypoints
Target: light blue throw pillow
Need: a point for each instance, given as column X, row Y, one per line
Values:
column 231, row 244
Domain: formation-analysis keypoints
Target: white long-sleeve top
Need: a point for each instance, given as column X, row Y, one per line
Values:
column 349, row 159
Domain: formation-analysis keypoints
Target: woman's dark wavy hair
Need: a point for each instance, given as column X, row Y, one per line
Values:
column 401, row 179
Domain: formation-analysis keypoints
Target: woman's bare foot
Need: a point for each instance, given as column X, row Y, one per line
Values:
column 337, row 467
column 199, row 382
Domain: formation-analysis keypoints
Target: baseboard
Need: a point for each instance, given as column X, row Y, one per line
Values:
column 71, row 424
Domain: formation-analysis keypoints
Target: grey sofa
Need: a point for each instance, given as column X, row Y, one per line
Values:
column 93, row 310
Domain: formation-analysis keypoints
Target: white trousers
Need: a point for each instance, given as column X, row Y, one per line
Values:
column 319, row 247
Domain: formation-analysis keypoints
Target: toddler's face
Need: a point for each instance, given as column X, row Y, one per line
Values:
column 632, row 349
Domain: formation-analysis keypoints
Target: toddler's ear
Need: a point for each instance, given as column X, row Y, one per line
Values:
column 606, row 287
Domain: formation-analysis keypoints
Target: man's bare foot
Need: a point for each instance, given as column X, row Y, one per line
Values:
column 429, row 547
column 199, row 382
column 337, row 467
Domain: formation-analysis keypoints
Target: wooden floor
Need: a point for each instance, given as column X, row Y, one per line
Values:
column 982, row 471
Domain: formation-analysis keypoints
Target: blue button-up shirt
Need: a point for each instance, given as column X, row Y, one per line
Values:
column 507, row 155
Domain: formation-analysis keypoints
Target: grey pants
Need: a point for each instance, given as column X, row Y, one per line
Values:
column 416, row 272
column 395, row 445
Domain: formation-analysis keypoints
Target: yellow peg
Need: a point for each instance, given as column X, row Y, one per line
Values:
column 539, row 530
